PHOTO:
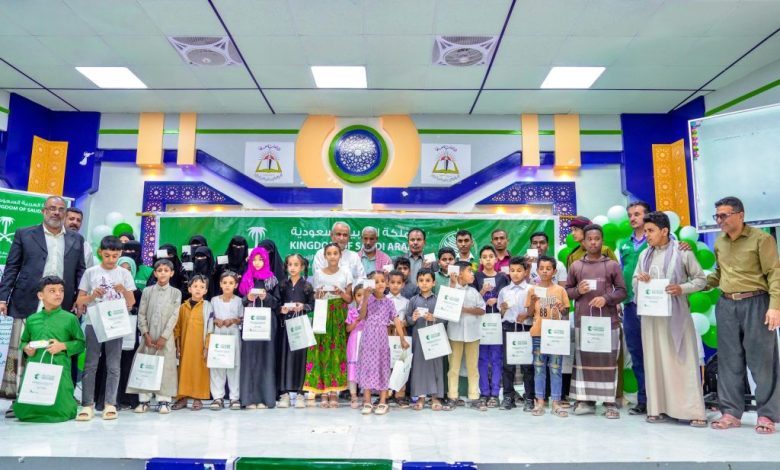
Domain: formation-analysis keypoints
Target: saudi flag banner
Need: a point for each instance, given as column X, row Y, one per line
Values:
column 305, row 232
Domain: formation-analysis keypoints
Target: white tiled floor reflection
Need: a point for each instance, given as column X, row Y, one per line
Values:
column 492, row 437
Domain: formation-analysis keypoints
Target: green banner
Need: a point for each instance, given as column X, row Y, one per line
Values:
column 18, row 209
column 307, row 232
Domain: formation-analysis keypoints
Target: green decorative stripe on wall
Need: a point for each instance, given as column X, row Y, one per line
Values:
column 742, row 98
column 4, row 110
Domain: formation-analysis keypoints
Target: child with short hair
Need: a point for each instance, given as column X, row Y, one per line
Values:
column 464, row 340
column 355, row 329
column 446, row 257
column 489, row 283
column 401, row 303
column 511, row 304
column 403, row 265
column 292, row 364
column 427, row 377
column 555, row 298
column 157, row 319
column 228, row 310
column 62, row 334
column 374, row 359
column 100, row 283
column 190, row 334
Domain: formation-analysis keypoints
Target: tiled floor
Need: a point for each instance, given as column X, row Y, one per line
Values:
column 491, row 437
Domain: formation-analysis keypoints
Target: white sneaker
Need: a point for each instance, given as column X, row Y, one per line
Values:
column 284, row 401
column 300, row 402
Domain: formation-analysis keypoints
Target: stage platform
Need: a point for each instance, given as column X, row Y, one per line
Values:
column 492, row 439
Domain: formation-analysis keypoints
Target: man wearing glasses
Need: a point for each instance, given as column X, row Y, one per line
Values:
column 748, row 314
column 41, row 250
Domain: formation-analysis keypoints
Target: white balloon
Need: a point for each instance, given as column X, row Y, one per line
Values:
column 114, row 218
column 99, row 232
column 711, row 316
column 600, row 220
column 689, row 233
column 701, row 323
column 617, row 214
column 674, row 220
column 702, row 246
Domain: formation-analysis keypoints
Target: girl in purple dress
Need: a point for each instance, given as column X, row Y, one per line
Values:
column 355, row 329
column 373, row 372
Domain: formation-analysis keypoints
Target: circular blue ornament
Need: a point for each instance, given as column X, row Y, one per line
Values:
column 358, row 154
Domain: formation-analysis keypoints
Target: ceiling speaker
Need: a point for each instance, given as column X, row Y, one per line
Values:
column 206, row 51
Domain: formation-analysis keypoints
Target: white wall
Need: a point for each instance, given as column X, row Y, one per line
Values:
column 754, row 81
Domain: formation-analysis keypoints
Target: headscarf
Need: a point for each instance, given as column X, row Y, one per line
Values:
column 237, row 256
column 199, row 239
column 129, row 235
column 275, row 261
column 248, row 279
column 203, row 266
column 177, row 280
column 126, row 259
column 132, row 249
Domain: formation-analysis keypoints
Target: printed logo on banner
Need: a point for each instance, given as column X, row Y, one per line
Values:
column 270, row 162
column 257, row 234
column 445, row 164
column 6, row 222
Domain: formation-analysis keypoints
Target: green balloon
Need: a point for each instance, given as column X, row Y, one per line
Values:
column 630, row 384
column 714, row 295
column 563, row 254
column 611, row 232
column 706, row 258
column 691, row 244
column 625, row 229
column 124, row 227
column 571, row 242
column 82, row 359
column 710, row 338
column 700, row 302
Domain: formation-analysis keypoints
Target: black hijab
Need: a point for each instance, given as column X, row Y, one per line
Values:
column 274, row 258
column 177, row 280
column 237, row 252
column 132, row 249
column 129, row 235
column 198, row 240
column 203, row 266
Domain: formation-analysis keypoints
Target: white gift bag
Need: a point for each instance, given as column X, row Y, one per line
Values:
column 40, row 383
column 395, row 347
column 299, row 333
column 449, row 303
column 146, row 373
column 652, row 299
column 490, row 329
column 128, row 340
column 434, row 341
column 320, row 323
column 596, row 333
column 556, row 336
column 110, row 319
column 519, row 348
column 256, row 325
column 401, row 369
column 222, row 352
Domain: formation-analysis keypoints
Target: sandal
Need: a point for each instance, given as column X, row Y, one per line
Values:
column 180, row 404
column 334, row 400
column 697, row 423
column 726, row 421
column 382, row 409
column 612, row 412
column 86, row 413
column 354, row 403
column 142, row 407
column 110, row 413
column 403, row 402
column 459, row 402
column 478, row 404
column 559, row 410
column 655, row 419
column 492, row 402
column 420, row 404
column 197, row 405
column 447, row 405
column 235, row 405
column 436, row 405
column 216, row 405
column 324, row 401
column 765, row 425
column 539, row 409
column 368, row 408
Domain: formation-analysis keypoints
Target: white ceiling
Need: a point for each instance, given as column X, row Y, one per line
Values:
column 656, row 53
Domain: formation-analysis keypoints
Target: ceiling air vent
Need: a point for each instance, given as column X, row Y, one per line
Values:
column 207, row 51
column 463, row 51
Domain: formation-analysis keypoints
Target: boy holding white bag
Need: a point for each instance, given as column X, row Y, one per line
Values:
column 157, row 318
column 228, row 312
column 104, row 284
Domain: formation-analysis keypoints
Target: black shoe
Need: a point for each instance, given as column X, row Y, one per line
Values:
column 9, row 413
column 639, row 409
column 528, row 405
column 508, row 403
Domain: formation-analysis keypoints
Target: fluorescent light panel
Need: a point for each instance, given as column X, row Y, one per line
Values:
column 339, row 76
column 572, row 77
column 111, row 77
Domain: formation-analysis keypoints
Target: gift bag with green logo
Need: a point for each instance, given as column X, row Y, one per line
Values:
column 256, row 324
column 434, row 341
column 519, row 348
column 449, row 304
column 40, row 383
column 556, row 335
column 299, row 333
column 222, row 352
column 147, row 370
column 596, row 333
column 110, row 319
column 490, row 329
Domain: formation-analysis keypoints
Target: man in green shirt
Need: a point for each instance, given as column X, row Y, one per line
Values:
column 748, row 314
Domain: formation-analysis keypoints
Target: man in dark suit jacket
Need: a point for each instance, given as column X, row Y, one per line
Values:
column 37, row 251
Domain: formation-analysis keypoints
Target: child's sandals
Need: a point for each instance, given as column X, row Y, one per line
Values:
column 367, row 409
column 612, row 412
column 447, row 405
column 110, row 413
column 333, row 400
column 539, row 409
column 436, row 405
column 235, row 405
column 197, row 405
column 420, row 404
column 492, row 402
column 324, row 403
column 180, row 404
column 354, row 403
column 559, row 410
column 217, row 404
column 86, row 413
column 142, row 407
column 381, row 409
column 164, row 408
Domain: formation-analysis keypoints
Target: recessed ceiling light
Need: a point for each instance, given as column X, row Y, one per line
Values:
column 111, row 77
column 572, row 77
column 339, row 76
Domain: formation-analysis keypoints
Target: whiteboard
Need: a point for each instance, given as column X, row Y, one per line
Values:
column 737, row 154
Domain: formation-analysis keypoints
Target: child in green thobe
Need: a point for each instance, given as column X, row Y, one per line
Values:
column 64, row 336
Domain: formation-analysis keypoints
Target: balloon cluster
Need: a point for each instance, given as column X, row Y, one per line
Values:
column 115, row 224
column 616, row 227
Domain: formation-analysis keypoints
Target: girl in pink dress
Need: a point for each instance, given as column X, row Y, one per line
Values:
column 373, row 372
column 355, row 329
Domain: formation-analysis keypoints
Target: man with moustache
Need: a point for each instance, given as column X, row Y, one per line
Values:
column 372, row 258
